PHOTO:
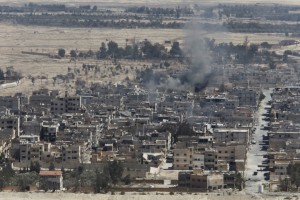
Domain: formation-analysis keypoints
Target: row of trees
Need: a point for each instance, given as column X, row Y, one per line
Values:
column 67, row 20
column 249, row 11
column 176, row 12
column 145, row 50
column 33, row 7
column 257, row 27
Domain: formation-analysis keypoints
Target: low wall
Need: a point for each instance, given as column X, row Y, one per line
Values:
column 10, row 85
column 171, row 189
column 35, row 53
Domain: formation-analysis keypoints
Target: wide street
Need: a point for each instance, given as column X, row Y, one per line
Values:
column 255, row 154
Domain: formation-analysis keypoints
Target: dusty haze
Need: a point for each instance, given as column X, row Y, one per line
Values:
column 146, row 2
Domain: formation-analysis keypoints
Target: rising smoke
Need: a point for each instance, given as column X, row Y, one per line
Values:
column 198, row 75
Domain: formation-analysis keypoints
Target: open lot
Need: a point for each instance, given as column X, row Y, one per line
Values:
column 14, row 39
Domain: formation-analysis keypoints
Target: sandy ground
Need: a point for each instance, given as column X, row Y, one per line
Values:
column 61, row 67
column 70, row 196
column 14, row 39
column 17, row 38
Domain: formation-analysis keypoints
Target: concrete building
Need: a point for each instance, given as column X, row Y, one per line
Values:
column 201, row 180
column 30, row 138
column 183, row 158
column 30, row 152
column 51, row 180
column 241, row 136
column 247, row 97
column 198, row 160
column 210, row 158
column 42, row 97
column 230, row 157
column 12, row 103
column 32, row 127
column 10, row 122
column 75, row 154
column 155, row 146
column 49, row 131
column 66, row 105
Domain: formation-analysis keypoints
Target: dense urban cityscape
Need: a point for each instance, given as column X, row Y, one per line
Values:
column 197, row 99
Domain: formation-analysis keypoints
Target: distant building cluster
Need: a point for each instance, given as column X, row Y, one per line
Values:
column 145, row 130
column 284, row 132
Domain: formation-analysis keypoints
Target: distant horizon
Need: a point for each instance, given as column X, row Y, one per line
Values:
column 146, row 2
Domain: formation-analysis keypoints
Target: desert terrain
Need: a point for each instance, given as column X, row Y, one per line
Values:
column 17, row 38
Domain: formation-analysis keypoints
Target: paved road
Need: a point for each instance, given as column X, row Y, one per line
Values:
column 255, row 153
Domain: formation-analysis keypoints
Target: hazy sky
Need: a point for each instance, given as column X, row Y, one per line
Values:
column 150, row 2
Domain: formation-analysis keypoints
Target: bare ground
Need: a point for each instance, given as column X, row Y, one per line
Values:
column 17, row 38
column 131, row 196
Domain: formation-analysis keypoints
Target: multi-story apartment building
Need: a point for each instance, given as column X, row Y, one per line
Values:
column 210, row 158
column 241, row 136
column 32, row 127
column 49, row 131
column 66, row 105
column 12, row 103
column 247, row 97
column 10, row 122
column 71, row 154
column 222, row 157
column 183, row 158
column 155, row 146
column 198, row 160
column 75, row 154
column 230, row 157
column 42, row 97
column 30, row 152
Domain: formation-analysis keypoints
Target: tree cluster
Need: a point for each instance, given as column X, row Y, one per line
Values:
column 145, row 50
column 101, row 179
column 2, row 76
column 23, row 179
column 92, row 21
column 250, row 11
column 176, row 12
column 6, row 172
column 294, row 173
column 258, row 27
column 33, row 7
column 242, row 53
column 9, row 74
